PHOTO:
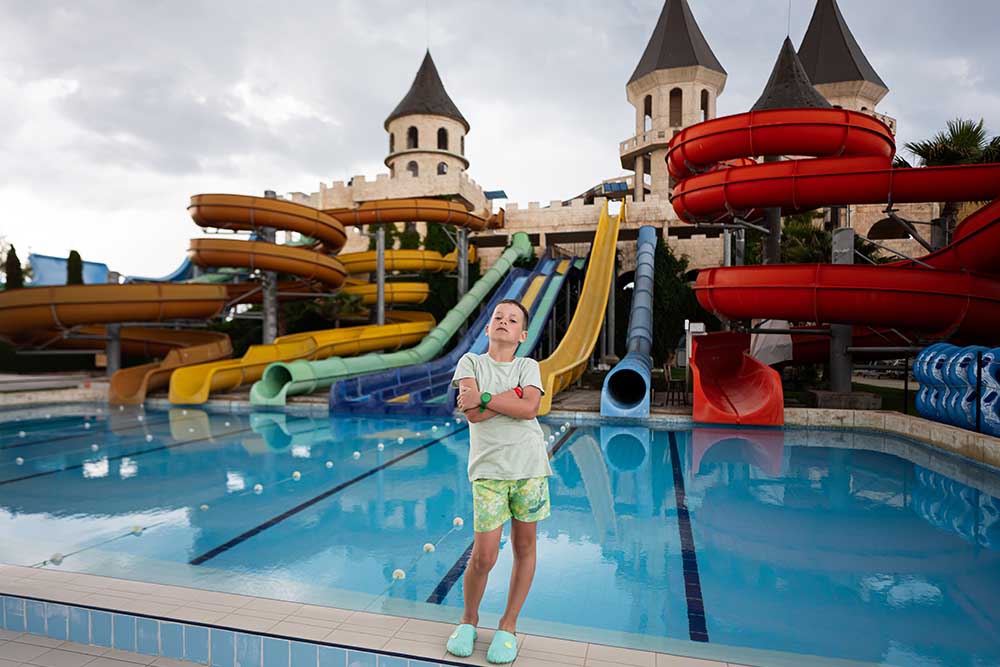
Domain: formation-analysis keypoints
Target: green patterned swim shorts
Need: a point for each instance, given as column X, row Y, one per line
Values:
column 496, row 500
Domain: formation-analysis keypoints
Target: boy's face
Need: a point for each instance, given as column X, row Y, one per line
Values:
column 507, row 324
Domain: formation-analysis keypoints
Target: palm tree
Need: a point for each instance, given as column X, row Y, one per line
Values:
column 964, row 142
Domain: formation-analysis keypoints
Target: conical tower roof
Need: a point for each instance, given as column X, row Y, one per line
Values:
column 427, row 96
column 789, row 86
column 829, row 52
column 676, row 42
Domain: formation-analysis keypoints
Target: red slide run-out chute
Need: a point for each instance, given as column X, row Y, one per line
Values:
column 953, row 292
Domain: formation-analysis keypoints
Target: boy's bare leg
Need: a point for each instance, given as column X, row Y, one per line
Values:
column 523, row 536
column 485, row 547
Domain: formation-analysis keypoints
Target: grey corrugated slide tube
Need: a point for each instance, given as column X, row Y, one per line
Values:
column 304, row 377
column 626, row 387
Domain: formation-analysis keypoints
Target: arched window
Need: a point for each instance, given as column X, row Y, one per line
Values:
column 412, row 167
column 463, row 144
column 864, row 108
column 676, row 100
column 442, row 168
column 392, row 142
column 442, row 139
column 704, row 104
column 411, row 137
column 647, row 113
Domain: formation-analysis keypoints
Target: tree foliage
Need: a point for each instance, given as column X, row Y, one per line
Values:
column 13, row 274
column 803, row 241
column 74, row 269
column 673, row 302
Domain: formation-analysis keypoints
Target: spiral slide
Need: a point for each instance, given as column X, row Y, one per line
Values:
column 281, row 380
column 564, row 366
column 953, row 292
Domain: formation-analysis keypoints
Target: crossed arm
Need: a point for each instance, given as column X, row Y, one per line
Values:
column 508, row 403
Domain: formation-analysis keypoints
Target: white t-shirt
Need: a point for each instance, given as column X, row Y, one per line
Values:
column 504, row 447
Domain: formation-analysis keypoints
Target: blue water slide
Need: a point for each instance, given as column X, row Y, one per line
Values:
column 49, row 270
column 183, row 272
column 626, row 390
column 358, row 391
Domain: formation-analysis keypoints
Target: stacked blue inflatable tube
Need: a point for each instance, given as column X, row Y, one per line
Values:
column 947, row 377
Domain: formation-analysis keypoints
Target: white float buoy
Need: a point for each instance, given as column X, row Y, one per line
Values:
column 428, row 547
column 149, row 438
column 204, row 508
column 419, row 434
column 48, row 416
column 434, row 428
column 140, row 418
column 258, row 488
column 458, row 522
column 227, row 424
column 380, row 446
column 86, row 425
column 329, row 464
column 457, row 420
column 19, row 461
column 398, row 574
column 94, row 447
column 356, row 455
column 21, row 434
column 56, row 558
column 296, row 475
column 552, row 438
column 400, row 440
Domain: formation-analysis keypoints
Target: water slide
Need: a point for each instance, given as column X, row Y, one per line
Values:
column 953, row 292
column 569, row 361
column 426, row 387
column 281, row 380
column 626, row 391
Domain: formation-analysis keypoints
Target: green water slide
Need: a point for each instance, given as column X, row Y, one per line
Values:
column 282, row 380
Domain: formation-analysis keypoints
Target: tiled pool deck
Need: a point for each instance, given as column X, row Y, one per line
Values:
column 62, row 619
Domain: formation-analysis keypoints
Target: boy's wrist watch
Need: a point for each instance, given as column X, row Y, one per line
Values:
column 484, row 399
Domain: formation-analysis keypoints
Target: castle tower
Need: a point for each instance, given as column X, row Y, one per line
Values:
column 426, row 129
column 837, row 66
column 788, row 86
column 675, row 84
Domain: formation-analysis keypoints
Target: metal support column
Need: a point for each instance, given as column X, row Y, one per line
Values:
column 840, row 340
column 740, row 248
column 269, row 287
column 113, row 348
column 727, row 247
column 380, row 275
column 772, row 220
column 463, row 260
column 611, row 309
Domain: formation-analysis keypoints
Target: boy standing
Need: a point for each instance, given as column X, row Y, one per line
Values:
column 509, row 469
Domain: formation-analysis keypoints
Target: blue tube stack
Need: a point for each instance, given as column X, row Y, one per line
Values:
column 947, row 377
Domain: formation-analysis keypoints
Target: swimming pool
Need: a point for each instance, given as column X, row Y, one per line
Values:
column 843, row 544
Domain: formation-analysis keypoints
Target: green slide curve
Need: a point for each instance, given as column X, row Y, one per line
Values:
column 282, row 380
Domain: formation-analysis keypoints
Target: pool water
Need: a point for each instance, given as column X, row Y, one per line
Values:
column 707, row 541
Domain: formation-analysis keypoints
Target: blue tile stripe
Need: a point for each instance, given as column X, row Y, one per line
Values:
column 154, row 635
column 697, row 627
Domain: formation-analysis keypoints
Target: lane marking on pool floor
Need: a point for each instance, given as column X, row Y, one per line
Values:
column 243, row 537
column 697, row 628
column 447, row 582
column 117, row 457
column 86, row 433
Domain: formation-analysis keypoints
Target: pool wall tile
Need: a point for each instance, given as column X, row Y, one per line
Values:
column 57, row 621
column 35, row 617
column 196, row 644
column 147, row 635
column 276, row 652
column 171, row 640
column 391, row 661
column 79, row 625
column 123, row 632
column 304, row 655
column 13, row 618
column 332, row 657
column 100, row 628
column 248, row 650
column 361, row 659
column 223, row 648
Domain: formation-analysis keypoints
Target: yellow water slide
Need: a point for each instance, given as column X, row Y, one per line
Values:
column 569, row 361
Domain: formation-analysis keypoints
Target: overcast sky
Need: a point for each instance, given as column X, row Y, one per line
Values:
column 114, row 113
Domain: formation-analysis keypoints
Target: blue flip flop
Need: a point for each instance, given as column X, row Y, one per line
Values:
column 503, row 648
column 461, row 641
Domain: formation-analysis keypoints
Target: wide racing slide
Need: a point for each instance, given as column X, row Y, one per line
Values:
column 569, row 360
column 953, row 292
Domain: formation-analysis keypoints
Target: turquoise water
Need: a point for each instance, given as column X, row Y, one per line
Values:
column 721, row 542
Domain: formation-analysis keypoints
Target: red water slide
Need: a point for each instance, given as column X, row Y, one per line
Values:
column 953, row 292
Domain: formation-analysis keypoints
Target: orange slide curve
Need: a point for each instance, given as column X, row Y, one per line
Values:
column 951, row 292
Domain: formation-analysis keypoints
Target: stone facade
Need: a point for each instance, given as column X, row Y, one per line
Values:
column 439, row 141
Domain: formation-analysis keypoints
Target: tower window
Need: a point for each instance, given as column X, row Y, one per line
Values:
column 442, row 168
column 647, row 113
column 676, row 105
column 392, row 142
column 463, row 144
column 704, row 104
column 412, row 167
column 411, row 137
column 442, row 139
column 392, row 169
